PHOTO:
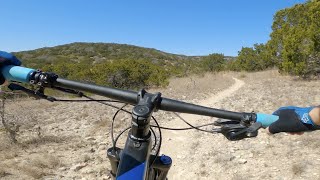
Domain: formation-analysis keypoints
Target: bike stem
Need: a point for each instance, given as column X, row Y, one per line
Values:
column 142, row 113
column 136, row 152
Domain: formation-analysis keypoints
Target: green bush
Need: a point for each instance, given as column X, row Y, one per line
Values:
column 256, row 58
column 212, row 62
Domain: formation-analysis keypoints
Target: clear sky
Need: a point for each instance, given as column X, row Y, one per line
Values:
column 190, row 27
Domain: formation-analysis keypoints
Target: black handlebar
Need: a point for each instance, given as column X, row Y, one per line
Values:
column 165, row 103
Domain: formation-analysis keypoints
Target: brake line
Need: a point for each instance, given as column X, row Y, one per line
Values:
column 123, row 110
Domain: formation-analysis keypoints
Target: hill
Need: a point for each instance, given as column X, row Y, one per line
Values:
column 118, row 65
column 97, row 53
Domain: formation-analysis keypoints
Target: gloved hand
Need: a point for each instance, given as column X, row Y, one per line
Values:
column 292, row 119
column 7, row 59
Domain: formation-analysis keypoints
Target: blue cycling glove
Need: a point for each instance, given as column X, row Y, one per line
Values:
column 292, row 119
column 7, row 59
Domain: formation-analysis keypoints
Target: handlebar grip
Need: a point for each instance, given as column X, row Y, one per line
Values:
column 266, row 119
column 17, row 73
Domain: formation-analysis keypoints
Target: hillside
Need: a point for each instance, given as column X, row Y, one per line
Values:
column 97, row 53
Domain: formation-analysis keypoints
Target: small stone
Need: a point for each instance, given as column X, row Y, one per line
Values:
column 232, row 158
column 78, row 166
column 86, row 158
column 89, row 171
column 90, row 139
column 92, row 150
column 242, row 161
column 103, row 143
column 102, row 147
column 63, row 168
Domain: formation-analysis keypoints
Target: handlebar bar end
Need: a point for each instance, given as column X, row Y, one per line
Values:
column 17, row 73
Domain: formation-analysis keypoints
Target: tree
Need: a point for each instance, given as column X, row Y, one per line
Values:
column 253, row 59
column 213, row 62
column 295, row 40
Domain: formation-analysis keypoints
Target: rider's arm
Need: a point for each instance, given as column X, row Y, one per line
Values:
column 315, row 115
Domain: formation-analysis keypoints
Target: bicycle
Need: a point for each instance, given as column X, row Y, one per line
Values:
column 135, row 160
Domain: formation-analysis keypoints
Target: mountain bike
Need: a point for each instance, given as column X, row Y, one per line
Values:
column 137, row 159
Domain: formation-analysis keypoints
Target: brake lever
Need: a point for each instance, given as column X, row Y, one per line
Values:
column 221, row 122
column 235, row 130
column 39, row 94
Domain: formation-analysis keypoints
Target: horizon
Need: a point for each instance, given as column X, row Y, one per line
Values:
column 180, row 27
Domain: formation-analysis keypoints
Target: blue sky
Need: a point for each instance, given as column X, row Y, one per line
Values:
column 190, row 27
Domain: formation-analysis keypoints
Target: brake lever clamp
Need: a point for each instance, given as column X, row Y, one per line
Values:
column 234, row 130
column 43, row 78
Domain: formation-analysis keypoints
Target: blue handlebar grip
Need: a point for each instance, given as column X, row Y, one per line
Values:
column 266, row 119
column 17, row 73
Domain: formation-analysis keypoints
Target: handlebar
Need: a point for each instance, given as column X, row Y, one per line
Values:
column 27, row 75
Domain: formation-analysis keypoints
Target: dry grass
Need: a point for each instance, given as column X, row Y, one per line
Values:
column 34, row 172
column 297, row 169
column 101, row 125
column 35, row 165
column 195, row 145
column 37, row 141
column 243, row 75
column 7, row 155
column 45, row 161
column 196, row 86
column 4, row 172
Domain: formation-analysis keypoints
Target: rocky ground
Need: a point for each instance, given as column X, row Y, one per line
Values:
column 69, row 140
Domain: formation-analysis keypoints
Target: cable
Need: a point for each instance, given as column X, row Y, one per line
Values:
column 160, row 142
column 161, row 127
column 155, row 139
column 87, row 100
column 80, row 94
column 113, row 119
column 157, row 125
column 191, row 124
column 183, row 129
column 106, row 104
column 116, row 139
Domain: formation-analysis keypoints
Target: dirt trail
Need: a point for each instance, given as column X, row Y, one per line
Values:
column 176, row 142
column 215, row 98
